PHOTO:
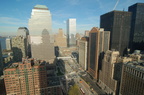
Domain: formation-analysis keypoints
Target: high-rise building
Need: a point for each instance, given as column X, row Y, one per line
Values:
column 77, row 37
column 83, row 52
column 40, row 20
column 110, row 74
column 30, row 77
column 19, row 48
column 23, row 31
column 71, row 32
column 119, row 23
column 106, row 75
column 8, row 43
column 1, row 61
column 60, row 39
column 98, row 44
column 132, row 80
column 137, row 27
column 42, row 45
column 87, row 33
column 44, row 50
column 2, row 86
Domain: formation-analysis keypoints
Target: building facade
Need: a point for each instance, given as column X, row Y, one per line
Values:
column 87, row 33
column 119, row 23
column 2, row 86
column 137, row 27
column 8, row 43
column 40, row 28
column 132, row 80
column 45, row 50
column 106, row 75
column 60, row 39
column 83, row 52
column 29, row 77
column 1, row 61
column 71, row 32
column 19, row 48
column 98, row 44
column 40, row 19
column 23, row 31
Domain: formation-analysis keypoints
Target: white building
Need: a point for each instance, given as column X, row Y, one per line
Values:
column 39, row 22
column 83, row 52
column 8, row 44
column 71, row 32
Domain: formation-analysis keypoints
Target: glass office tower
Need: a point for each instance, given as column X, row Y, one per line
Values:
column 137, row 27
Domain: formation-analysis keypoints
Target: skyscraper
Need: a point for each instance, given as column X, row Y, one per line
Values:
column 44, row 50
column 98, row 44
column 106, row 76
column 23, row 31
column 40, row 19
column 8, row 43
column 1, row 61
column 137, row 27
column 60, row 39
column 19, row 48
column 87, row 33
column 83, row 52
column 71, row 32
column 118, row 23
column 39, row 24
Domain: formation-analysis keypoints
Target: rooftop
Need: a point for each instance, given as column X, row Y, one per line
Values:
column 53, row 81
column 137, row 65
column 40, row 7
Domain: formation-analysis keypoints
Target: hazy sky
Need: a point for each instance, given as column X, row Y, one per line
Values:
column 15, row 13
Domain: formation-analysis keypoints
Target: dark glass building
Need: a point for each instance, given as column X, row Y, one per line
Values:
column 118, row 23
column 137, row 26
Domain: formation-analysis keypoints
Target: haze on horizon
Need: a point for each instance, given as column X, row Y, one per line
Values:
column 16, row 13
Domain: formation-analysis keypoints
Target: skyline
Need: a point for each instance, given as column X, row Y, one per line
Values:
column 15, row 13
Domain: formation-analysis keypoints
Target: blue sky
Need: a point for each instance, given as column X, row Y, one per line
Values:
column 15, row 13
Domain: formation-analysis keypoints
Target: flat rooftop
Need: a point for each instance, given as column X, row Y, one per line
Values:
column 137, row 65
column 53, row 81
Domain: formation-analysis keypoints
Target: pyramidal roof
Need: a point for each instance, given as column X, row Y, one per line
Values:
column 94, row 29
column 40, row 7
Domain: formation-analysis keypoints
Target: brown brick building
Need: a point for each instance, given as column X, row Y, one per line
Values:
column 28, row 77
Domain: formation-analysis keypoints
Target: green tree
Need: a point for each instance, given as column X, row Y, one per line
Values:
column 74, row 90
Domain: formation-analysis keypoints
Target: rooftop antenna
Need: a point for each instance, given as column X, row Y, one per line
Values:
column 116, row 4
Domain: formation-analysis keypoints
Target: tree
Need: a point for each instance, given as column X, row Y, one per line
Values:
column 74, row 90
